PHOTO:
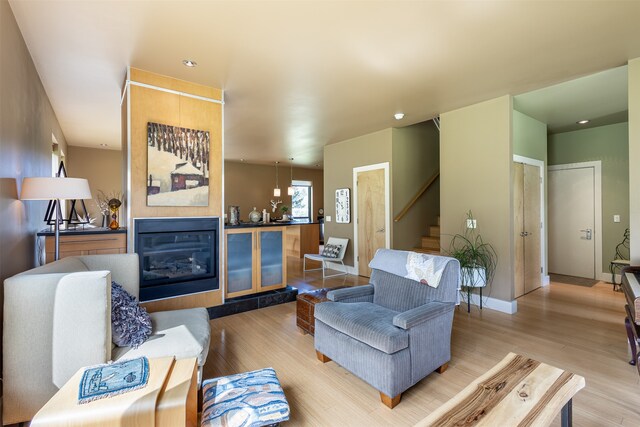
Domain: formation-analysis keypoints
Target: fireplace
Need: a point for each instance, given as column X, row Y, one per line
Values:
column 178, row 256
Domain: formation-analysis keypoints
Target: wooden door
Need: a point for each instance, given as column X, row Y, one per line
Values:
column 518, row 227
column 527, row 228
column 371, row 219
column 532, row 228
column 571, row 214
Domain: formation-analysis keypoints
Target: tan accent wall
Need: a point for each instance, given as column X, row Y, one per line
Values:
column 634, row 159
column 475, row 173
column 102, row 168
column 339, row 161
column 416, row 157
column 151, row 105
column 248, row 185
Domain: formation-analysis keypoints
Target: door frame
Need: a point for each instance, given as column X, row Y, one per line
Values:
column 387, row 211
column 544, row 274
column 597, row 194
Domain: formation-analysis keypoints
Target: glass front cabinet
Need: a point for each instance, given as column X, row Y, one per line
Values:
column 255, row 260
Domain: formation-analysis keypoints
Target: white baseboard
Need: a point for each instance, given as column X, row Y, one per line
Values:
column 546, row 280
column 606, row 277
column 339, row 267
column 509, row 307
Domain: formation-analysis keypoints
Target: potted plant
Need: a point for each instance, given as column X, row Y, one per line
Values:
column 285, row 209
column 478, row 259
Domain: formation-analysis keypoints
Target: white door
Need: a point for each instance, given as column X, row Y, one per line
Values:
column 572, row 221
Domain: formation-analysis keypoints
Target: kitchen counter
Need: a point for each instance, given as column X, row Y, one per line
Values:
column 270, row 224
column 80, row 231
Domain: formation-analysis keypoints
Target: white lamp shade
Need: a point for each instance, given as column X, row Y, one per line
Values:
column 276, row 192
column 47, row 188
column 290, row 190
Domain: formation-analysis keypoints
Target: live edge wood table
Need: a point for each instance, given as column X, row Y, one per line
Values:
column 168, row 400
column 518, row 391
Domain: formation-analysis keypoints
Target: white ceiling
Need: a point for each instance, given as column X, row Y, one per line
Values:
column 601, row 98
column 301, row 74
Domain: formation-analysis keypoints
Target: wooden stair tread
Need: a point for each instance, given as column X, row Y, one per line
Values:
column 427, row 251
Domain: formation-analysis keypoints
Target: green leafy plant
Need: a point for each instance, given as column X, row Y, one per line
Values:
column 474, row 255
column 284, row 209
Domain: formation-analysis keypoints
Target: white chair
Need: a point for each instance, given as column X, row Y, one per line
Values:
column 324, row 259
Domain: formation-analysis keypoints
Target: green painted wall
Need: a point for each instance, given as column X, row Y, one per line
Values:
column 610, row 145
column 529, row 137
column 415, row 157
column 530, row 140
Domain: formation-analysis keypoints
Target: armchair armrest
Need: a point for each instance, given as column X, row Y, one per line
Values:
column 81, row 323
column 415, row 316
column 354, row 294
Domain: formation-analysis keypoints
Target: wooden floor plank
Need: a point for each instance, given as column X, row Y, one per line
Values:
column 575, row 328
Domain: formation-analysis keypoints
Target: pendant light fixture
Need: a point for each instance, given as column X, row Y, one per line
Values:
column 290, row 189
column 276, row 191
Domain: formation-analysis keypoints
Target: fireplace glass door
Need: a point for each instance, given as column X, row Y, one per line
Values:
column 176, row 256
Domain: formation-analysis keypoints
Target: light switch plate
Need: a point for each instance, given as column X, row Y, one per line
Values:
column 471, row 223
column 616, row 218
column 327, row 218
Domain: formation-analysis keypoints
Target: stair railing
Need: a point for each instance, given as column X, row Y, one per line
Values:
column 415, row 198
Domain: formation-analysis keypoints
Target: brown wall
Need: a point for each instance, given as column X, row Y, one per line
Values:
column 27, row 122
column 143, row 105
column 339, row 161
column 102, row 168
column 247, row 185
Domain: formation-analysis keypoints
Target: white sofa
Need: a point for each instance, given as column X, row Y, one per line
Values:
column 57, row 319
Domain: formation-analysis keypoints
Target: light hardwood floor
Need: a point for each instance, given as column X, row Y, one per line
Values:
column 575, row 328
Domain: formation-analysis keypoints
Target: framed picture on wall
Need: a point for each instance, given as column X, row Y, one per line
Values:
column 177, row 166
column 343, row 210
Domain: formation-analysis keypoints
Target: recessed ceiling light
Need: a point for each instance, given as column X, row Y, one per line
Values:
column 582, row 122
column 399, row 116
column 103, row 145
column 242, row 160
column 189, row 63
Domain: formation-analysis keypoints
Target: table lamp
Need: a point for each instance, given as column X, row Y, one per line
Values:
column 47, row 188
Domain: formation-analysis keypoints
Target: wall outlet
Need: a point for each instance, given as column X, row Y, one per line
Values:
column 471, row 223
column 327, row 218
column 616, row 218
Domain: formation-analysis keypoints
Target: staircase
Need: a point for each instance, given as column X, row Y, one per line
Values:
column 430, row 244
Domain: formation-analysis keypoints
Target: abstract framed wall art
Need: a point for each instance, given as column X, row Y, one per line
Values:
column 177, row 166
column 343, row 210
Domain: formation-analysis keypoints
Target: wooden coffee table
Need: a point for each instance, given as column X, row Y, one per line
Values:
column 169, row 399
column 517, row 391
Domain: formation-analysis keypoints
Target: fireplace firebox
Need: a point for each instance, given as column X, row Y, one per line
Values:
column 178, row 256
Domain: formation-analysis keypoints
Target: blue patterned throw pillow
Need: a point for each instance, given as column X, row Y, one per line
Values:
column 130, row 323
column 331, row 251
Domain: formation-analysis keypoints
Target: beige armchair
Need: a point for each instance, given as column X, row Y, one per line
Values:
column 57, row 319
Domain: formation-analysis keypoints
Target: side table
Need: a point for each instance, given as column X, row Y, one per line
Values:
column 305, row 308
column 169, row 399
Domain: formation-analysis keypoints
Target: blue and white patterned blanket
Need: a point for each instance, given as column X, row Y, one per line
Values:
column 110, row 379
column 250, row 399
